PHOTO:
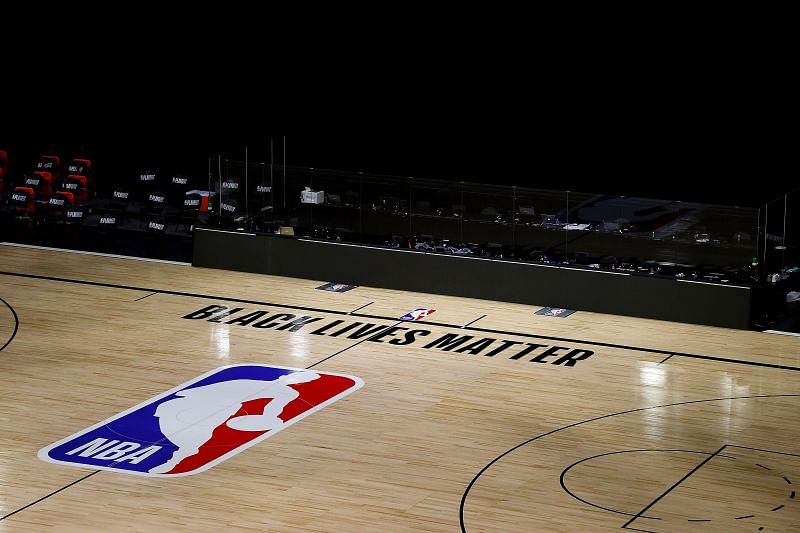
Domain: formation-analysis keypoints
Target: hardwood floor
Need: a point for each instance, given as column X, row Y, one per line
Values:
column 481, row 417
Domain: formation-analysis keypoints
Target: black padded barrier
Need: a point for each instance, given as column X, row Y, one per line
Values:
column 507, row 281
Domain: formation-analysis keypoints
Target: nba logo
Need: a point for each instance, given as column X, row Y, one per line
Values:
column 418, row 314
column 202, row 422
column 557, row 312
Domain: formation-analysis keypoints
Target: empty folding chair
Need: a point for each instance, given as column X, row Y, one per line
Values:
column 51, row 164
column 75, row 215
column 189, row 212
column 78, row 180
column 42, row 183
column 80, row 167
column 178, row 185
column 117, row 205
column 155, row 204
column 23, row 204
column 44, row 178
column 58, row 204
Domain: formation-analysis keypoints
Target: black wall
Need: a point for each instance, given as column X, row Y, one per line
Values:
column 663, row 299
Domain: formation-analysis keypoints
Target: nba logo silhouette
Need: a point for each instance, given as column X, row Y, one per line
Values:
column 554, row 311
column 202, row 422
column 418, row 314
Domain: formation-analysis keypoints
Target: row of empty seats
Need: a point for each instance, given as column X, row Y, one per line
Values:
column 65, row 194
column 152, row 204
column 48, row 189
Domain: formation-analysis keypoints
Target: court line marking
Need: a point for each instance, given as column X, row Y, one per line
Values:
column 574, row 424
column 587, row 502
column 100, row 254
column 763, row 450
column 378, row 317
column 357, row 308
column 16, row 325
column 625, row 347
column 143, row 297
column 470, row 323
column 666, row 359
column 381, row 332
column 674, row 485
column 576, row 463
column 51, row 494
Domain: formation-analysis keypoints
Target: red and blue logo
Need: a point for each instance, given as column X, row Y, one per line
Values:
column 202, row 422
column 418, row 314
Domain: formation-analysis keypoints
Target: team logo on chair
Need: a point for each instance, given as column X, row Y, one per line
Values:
column 202, row 422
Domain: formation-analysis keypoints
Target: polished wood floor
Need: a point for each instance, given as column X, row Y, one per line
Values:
column 649, row 426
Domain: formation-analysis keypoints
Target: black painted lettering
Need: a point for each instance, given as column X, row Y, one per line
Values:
column 541, row 358
column 204, row 312
column 531, row 347
column 268, row 322
column 247, row 319
column 326, row 327
column 503, row 346
column 345, row 329
column 476, row 347
column 388, row 333
column 449, row 341
column 222, row 315
column 573, row 357
column 365, row 331
column 409, row 337
column 295, row 325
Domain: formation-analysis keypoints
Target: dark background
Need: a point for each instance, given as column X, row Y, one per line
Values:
column 710, row 131
column 677, row 152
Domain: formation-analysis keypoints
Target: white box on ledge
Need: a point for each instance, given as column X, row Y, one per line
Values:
column 308, row 196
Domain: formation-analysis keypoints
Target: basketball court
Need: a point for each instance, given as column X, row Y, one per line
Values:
column 480, row 416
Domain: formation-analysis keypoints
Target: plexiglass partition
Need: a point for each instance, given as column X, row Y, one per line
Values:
column 653, row 237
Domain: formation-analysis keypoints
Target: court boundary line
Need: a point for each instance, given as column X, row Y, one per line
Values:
column 90, row 474
column 595, row 419
column 16, row 324
column 430, row 323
